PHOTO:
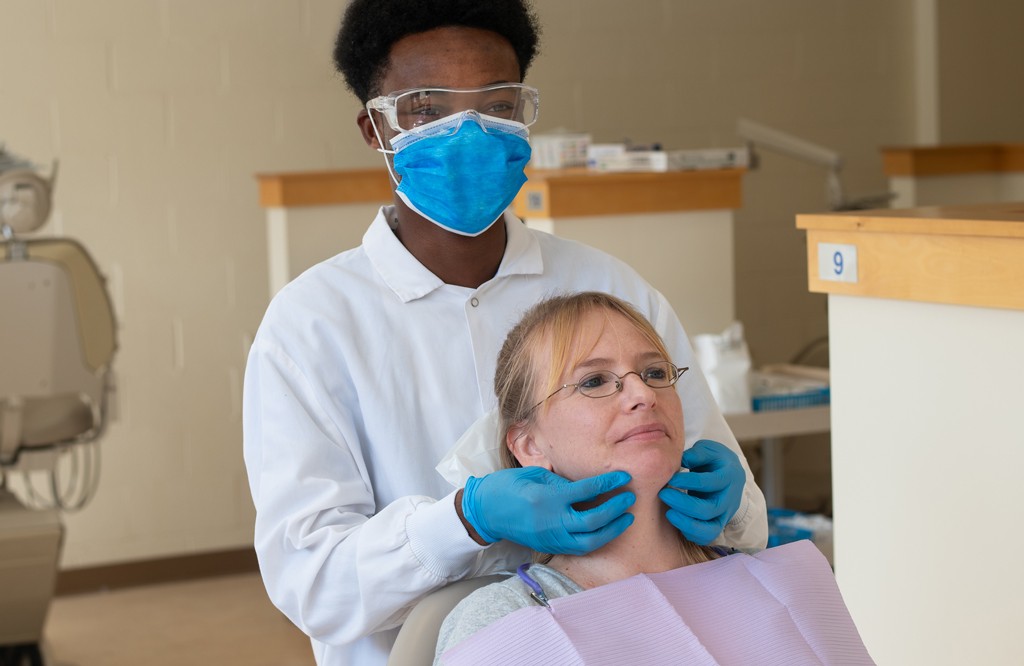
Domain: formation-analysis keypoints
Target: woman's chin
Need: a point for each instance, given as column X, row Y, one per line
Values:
column 652, row 467
column 655, row 468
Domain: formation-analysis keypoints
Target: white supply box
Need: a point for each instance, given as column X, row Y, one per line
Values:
column 617, row 157
column 559, row 150
column 709, row 158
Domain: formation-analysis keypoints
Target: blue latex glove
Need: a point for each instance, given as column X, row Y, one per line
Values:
column 715, row 484
column 533, row 507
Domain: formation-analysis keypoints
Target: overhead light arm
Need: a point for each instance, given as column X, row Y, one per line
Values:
column 758, row 135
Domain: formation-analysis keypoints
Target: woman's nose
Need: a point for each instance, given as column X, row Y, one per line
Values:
column 637, row 393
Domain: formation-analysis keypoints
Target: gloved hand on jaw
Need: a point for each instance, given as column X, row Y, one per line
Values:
column 534, row 507
column 715, row 484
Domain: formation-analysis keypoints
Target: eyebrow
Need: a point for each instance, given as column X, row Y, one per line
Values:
column 601, row 362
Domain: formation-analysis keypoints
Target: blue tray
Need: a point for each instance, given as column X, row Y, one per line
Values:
column 812, row 398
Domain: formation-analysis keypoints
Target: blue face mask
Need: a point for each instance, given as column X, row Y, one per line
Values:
column 462, row 179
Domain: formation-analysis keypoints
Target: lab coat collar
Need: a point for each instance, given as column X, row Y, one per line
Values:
column 410, row 279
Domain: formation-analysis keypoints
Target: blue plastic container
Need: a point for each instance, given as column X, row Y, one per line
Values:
column 779, row 532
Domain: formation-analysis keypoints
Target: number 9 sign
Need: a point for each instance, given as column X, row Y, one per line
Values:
column 837, row 263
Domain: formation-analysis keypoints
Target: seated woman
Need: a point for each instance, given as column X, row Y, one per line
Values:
column 585, row 385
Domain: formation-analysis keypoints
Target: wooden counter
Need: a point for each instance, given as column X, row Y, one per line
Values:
column 955, row 174
column 324, row 188
column 579, row 192
column 964, row 255
column 926, row 343
column 548, row 193
column 953, row 159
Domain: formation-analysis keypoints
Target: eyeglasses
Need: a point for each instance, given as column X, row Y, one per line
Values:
column 606, row 383
column 408, row 109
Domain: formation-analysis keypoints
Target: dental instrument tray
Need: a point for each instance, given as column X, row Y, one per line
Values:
column 788, row 387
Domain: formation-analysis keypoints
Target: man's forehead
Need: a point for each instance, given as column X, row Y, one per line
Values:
column 450, row 57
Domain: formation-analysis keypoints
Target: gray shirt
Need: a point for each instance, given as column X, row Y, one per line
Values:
column 493, row 602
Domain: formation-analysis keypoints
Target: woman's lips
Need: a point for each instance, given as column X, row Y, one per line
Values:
column 645, row 433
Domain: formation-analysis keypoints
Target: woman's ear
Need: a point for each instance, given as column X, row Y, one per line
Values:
column 523, row 446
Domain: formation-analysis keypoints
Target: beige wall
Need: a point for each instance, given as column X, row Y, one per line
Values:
column 162, row 110
column 981, row 65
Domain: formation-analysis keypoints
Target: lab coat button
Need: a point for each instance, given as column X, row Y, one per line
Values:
column 474, row 301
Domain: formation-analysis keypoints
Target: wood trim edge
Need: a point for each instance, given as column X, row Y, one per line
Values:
column 952, row 160
column 953, row 270
column 581, row 193
column 155, row 571
column 556, row 193
column 324, row 188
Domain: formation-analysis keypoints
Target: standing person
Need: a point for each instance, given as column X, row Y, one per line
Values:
column 368, row 367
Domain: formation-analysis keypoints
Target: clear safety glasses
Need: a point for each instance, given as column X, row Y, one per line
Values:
column 406, row 110
column 605, row 383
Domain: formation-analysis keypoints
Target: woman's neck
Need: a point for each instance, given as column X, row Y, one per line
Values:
column 650, row 545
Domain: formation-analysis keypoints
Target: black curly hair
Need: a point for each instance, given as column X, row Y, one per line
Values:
column 369, row 28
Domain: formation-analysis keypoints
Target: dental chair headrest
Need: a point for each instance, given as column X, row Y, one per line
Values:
column 25, row 196
column 24, row 200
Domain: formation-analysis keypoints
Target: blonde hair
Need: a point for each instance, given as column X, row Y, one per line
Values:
column 521, row 365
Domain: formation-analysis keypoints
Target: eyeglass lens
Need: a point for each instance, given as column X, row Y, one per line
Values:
column 601, row 384
column 418, row 107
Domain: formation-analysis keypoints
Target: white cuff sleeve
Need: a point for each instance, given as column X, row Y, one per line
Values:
column 439, row 540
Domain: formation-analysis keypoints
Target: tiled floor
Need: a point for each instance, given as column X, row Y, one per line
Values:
column 217, row 621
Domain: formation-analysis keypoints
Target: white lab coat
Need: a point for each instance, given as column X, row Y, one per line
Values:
column 364, row 373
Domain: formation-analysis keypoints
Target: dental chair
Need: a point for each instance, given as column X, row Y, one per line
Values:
column 417, row 639
column 57, row 343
